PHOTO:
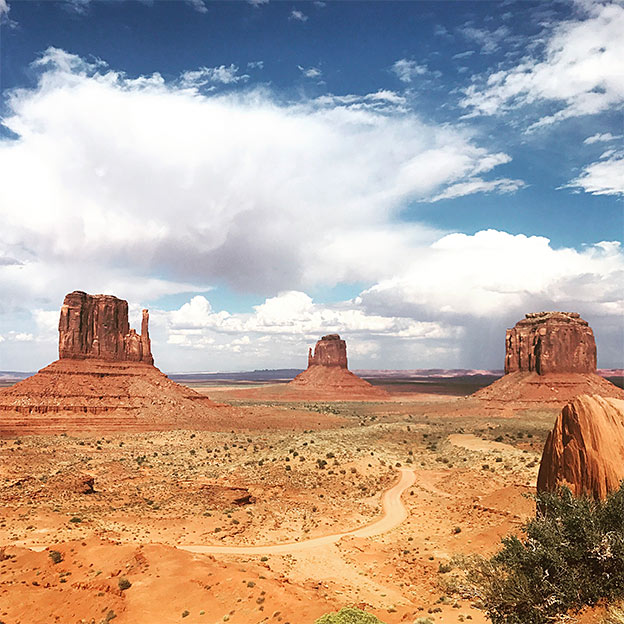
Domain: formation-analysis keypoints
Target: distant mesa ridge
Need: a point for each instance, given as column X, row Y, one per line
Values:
column 96, row 326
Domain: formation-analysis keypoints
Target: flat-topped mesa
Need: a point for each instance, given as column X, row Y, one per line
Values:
column 550, row 342
column 330, row 350
column 96, row 327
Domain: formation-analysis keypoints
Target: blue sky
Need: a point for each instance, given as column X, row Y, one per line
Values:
column 413, row 175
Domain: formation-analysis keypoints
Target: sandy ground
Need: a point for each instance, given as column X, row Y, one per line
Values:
column 286, row 523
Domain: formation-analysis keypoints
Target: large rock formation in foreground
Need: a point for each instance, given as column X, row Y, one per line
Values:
column 327, row 375
column 104, row 379
column 585, row 450
column 550, row 357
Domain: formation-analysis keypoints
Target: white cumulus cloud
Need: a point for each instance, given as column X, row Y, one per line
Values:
column 137, row 177
column 310, row 72
column 298, row 16
column 603, row 137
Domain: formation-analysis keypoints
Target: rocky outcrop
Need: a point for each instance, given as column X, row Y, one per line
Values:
column 550, row 358
column 104, row 381
column 330, row 350
column 96, row 326
column 585, row 450
column 550, row 342
column 327, row 376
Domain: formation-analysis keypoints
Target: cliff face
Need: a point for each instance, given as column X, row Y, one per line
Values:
column 329, row 351
column 550, row 342
column 585, row 449
column 96, row 326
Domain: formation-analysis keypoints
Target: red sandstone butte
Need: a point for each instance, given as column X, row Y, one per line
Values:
column 550, row 342
column 550, row 357
column 104, row 380
column 330, row 350
column 96, row 326
column 327, row 375
column 585, row 449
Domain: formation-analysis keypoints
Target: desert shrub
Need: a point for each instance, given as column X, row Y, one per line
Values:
column 123, row 583
column 348, row 615
column 56, row 556
column 571, row 556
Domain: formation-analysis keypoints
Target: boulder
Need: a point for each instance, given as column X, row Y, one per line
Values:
column 585, row 449
column 96, row 326
column 550, row 342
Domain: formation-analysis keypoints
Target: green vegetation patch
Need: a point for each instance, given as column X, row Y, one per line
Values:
column 571, row 556
column 348, row 615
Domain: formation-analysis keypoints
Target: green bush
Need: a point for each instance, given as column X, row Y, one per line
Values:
column 571, row 556
column 348, row 615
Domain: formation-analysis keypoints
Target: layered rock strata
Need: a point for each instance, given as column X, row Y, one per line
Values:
column 585, row 449
column 550, row 357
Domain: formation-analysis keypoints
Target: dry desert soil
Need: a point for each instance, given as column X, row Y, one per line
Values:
column 366, row 503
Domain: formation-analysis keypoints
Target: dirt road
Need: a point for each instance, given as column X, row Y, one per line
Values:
column 394, row 513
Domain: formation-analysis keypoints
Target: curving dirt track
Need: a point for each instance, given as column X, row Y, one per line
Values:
column 394, row 513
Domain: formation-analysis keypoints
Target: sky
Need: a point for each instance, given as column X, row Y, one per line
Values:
column 415, row 176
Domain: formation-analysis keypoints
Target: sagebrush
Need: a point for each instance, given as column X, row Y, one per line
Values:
column 570, row 556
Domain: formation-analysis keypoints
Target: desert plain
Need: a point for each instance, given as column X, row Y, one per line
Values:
column 218, row 525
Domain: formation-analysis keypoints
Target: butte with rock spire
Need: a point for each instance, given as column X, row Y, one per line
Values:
column 104, row 379
column 328, row 376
